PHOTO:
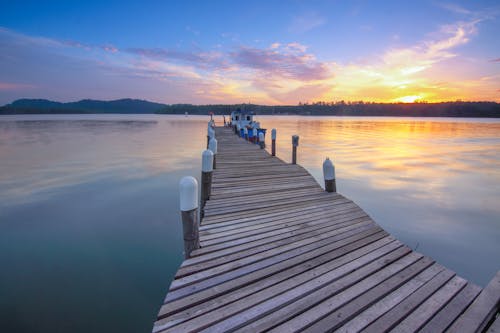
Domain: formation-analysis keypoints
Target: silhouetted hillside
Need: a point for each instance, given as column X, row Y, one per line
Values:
column 445, row 109
column 43, row 106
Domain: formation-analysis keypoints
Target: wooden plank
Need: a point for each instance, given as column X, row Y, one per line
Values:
column 280, row 254
column 361, row 297
column 481, row 311
column 328, row 259
column 284, row 226
column 298, row 300
column 273, row 253
column 272, row 236
column 206, row 264
column 258, row 292
column 309, row 260
column 271, row 204
column 234, row 315
column 173, row 294
column 495, row 326
column 444, row 318
column 422, row 314
column 379, row 308
column 265, row 212
column 268, row 219
column 392, row 317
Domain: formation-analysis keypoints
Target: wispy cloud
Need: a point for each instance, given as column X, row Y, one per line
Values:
column 455, row 8
column 431, row 70
column 203, row 60
column 283, row 72
column 287, row 62
column 15, row 86
column 306, row 22
column 428, row 52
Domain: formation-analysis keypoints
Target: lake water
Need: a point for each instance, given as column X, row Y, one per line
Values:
column 90, row 232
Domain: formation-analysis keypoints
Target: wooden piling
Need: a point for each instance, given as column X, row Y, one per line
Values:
column 329, row 175
column 295, row 144
column 273, row 142
column 206, row 177
column 213, row 147
column 262, row 143
column 267, row 221
column 188, row 188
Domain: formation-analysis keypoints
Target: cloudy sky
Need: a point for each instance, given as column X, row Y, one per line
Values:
column 268, row 52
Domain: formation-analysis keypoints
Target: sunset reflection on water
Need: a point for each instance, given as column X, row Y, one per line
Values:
column 90, row 202
column 432, row 182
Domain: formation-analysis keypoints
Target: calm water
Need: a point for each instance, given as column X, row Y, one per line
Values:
column 89, row 225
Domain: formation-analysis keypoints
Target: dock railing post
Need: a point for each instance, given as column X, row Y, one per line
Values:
column 188, row 188
column 262, row 143
column 212, row 145
column 210, row 134
column 295, row 144
column 329, row 175
column 207, row 167
column 273, row 142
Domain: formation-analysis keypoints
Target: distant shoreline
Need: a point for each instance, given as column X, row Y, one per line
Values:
column 456, row 109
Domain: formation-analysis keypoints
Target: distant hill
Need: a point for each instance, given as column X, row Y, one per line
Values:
column 43, row 106
column 444, row 109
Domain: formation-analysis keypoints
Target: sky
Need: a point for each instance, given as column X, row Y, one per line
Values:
column 263, row 52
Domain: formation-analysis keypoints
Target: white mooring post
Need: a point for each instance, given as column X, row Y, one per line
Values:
column 262, row 143
column 210, row 134
column 273, row 142
column 212, row 145
column 295, row 144
column 329, row 174
column 207, row 167
column 245, row 133
column 188, row 193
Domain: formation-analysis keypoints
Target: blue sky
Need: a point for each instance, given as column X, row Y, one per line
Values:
column 273, row 52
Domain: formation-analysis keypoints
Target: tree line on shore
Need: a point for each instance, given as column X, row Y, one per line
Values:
column 341, row 108
column 444, row 109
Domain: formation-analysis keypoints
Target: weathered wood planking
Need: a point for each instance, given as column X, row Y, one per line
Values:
column 280, row 254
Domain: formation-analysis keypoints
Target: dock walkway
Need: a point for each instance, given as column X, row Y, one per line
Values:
column 280, row 254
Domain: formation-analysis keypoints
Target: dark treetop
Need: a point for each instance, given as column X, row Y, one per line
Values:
column 444, row 109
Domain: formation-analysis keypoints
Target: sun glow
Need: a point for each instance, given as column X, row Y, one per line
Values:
column 409, row 99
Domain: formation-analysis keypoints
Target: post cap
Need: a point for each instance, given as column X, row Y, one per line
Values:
column 212, row 145
column 328, row 169
column 188, row 193
column 211, row 132
column 273, row 134
column 295, row 140
column 207, row 161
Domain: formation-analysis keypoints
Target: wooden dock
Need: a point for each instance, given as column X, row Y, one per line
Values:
column 280, row 254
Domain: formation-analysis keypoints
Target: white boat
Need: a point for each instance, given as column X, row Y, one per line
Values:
column 241, row 120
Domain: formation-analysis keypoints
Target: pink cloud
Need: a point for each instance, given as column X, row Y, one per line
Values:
column 295, row 65
column 14, row 86
column 109, row 48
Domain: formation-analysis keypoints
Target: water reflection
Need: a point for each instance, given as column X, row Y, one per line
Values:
column 42, row 155
column 89, row 203
column 433, row 183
